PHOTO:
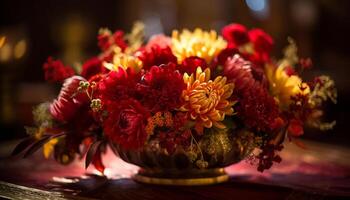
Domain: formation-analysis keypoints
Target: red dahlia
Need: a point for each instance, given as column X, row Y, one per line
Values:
column 262, row 41
column 55, row 71
column 156, row 55
column 92, row 67
column 117, row 85
column 235, row 34
column 162, row 88
column 190, row 64
column 126, row 122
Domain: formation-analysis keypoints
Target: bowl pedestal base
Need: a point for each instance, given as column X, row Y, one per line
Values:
column 182, row 178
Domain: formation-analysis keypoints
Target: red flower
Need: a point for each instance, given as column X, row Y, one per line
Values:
column 190, row 64
column 257, row 108
column 117, row 85
column 68, row 102
column 55, row 71
column 263, row 42
column 92, row 67
column 126, row 122
column 305, row 63
column 295, row 128
column 162, row 88
column 156, row 55
column 171, row 139
column 103, row 40
column 238, row 71
column 118, row 39
column 106, row 40
column 235, row 34
column 224, row 55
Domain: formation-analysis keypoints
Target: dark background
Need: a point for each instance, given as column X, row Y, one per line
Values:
column 68, row 30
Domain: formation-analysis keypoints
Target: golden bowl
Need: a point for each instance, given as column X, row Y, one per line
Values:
column 183, row 167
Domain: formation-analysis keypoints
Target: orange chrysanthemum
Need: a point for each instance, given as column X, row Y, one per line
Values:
column 206, row 101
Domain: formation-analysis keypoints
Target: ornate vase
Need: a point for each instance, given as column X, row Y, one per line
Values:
column 182, row 167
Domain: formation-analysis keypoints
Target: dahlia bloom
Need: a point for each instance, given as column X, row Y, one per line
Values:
column 262, row 42
column 190, row 64
column 117, row 85
column 162, row 88
column 206, row 101
column 126, row 122
column 92, row 67
column 198, row 43
column 155, row 55
column 235, row 34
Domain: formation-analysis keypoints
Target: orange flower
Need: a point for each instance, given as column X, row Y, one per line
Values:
column 206, row 101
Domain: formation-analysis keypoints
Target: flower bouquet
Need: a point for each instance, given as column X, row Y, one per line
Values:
column 180, row 107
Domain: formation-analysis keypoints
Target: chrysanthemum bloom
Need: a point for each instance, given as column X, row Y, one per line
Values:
column 284, row 86
column 206, row 101
column 198, row 43
column 238, row 71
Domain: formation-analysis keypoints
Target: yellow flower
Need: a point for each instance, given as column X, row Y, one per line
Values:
column 284, row 86
column 123, row 60
column 206, row 101
column 199, row 43
column 49, row 147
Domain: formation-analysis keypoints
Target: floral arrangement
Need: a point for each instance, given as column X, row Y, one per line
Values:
column 174, row 91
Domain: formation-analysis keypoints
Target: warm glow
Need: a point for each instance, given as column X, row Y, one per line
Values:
column 2, row 41
column 20, row 49
column 5, row 53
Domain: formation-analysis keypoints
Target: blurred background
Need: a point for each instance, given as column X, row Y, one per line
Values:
column 67, row 30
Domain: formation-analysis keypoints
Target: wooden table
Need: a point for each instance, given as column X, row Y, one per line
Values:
column 321, row 172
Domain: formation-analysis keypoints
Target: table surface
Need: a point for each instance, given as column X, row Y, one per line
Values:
column 320, row 172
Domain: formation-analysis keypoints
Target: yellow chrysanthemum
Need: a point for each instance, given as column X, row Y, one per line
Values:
column 199, row 43
column 284, row 86
column 206, row 101
column 124, row 60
